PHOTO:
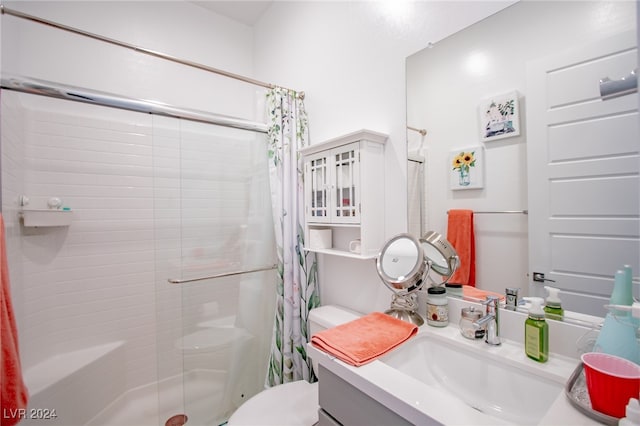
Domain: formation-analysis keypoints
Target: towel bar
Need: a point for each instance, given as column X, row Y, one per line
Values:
column 501, row 212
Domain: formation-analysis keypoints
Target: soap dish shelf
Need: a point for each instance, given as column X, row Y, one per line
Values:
column 578, row 395
column 40, row 217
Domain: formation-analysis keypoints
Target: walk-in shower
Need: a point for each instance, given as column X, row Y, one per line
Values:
column 161, row 290
column 154, row 304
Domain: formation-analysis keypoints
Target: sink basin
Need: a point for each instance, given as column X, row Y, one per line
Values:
column 492, row 380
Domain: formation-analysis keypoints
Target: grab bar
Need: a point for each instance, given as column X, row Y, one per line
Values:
column 221, row 275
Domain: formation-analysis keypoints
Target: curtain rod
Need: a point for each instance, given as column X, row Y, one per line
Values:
column 5, row 10
column 423, row 132
column 77, row 94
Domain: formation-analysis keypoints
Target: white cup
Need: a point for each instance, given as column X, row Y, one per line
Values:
column 354, row 246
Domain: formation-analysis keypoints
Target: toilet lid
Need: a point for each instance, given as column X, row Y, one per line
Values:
column 291, row 404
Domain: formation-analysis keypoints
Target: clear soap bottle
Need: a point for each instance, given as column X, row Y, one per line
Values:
column 536, row 331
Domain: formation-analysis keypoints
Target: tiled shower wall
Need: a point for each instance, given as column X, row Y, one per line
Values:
column 12, row 149
column 91, row 282
column 144, row 210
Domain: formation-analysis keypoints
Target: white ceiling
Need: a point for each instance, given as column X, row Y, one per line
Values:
column 247, row 12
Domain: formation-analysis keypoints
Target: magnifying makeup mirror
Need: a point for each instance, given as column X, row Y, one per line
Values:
column 404, row 264
column 440, row 252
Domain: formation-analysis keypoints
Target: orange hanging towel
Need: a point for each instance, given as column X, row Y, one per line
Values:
column 461, row 236
column 14, row 395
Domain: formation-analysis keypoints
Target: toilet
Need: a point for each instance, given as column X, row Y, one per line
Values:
column 295, row 403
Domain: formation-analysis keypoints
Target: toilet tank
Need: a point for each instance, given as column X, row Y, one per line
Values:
column 324, row 317
column 329, row 316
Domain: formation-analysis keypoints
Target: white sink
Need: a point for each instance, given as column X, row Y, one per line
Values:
column 440, row 377
column 492, row 380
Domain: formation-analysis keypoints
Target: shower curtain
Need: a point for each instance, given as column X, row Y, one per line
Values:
column 297, row 291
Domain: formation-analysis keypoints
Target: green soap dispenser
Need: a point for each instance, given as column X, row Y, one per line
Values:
column 553, row 305
column 536, row 331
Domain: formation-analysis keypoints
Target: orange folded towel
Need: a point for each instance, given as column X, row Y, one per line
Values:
column 475, row 293
column 13, row 394
column 362, row 340
column 461, row 236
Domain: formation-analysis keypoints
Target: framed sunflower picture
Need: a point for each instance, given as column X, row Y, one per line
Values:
column 466, row 168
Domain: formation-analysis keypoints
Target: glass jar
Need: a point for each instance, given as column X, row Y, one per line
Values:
column 437, row 307
column 467, row 317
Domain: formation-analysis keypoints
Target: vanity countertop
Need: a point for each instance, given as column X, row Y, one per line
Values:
column 562, row 412
column 419, row 402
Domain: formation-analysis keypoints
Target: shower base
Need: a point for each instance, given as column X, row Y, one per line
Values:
column 152, row 404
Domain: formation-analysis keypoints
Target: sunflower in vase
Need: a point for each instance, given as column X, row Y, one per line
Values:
column 462, row 163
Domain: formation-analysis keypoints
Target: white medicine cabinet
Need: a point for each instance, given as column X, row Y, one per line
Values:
column 344, row 195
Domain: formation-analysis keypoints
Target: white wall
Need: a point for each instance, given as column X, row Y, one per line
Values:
column 445, row 87
column 349, row 58
column 175, row 28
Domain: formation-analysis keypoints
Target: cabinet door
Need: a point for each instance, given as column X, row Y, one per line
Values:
column 345, row 162
column 317, row 186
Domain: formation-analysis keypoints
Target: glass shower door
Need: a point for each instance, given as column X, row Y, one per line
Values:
column 214, row 224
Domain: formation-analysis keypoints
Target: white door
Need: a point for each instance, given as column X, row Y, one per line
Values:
column 582, row 160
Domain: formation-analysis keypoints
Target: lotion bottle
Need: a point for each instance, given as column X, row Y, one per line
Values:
column 553, row 304
column 536, row 331
column 618, row 334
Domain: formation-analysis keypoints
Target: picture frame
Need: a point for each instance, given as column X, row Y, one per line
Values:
column 466, row 168
column 499, row 117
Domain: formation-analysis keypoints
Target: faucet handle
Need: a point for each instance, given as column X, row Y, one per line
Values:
column 492, row 333
column 491, row 300
column 492, row 303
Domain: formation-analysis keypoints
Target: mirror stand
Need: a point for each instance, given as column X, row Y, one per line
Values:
column 405, row 307
column 403, row 265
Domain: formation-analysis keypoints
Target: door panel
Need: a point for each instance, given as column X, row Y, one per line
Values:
column 565, row 258
column 572, row 82
column 584, row 138
column 317, row 189
column 595, row 195
column 583, row 172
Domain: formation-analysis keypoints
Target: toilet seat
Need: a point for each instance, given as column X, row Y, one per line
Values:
column 290, row 404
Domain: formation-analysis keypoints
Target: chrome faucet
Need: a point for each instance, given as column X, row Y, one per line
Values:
column 491, row 321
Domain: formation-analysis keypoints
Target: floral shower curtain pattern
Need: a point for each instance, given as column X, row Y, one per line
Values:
column 297, row 291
